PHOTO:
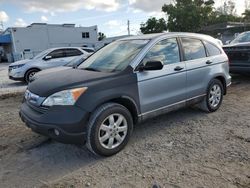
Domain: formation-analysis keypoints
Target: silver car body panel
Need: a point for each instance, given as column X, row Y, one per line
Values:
column 167, row 89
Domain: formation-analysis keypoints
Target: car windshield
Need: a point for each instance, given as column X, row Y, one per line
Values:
column 114, row 57
column 244, row 37
column 41, row 54
column 76, row 61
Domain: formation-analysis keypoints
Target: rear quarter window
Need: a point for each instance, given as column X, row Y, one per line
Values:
column 88, row 50
column 212, row 50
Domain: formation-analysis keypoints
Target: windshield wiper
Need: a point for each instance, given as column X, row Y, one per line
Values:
column 91, row 69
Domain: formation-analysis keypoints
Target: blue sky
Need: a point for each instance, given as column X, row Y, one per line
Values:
column 110, row 15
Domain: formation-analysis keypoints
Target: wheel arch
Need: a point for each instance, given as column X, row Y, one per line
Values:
column 128, row 103
column 33, row 68
column 223, row 81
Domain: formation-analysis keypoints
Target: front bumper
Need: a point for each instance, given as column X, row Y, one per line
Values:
column 16, row 79
column 63, row 124
column 15, row 74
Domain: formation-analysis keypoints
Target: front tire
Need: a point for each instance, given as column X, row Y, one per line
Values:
column 109, row 129
column 214, row 96
column 29, row 74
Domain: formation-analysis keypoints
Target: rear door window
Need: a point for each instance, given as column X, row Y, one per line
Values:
column 212, row 50
column 193, row 49
column 72, row 52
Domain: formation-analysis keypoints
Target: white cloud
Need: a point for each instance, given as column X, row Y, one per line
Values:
column 3, row 16
column 148, row 6
column 157, row 14
column 44, row 19
column 20, row 23
column 48, row 6
column 113, row 23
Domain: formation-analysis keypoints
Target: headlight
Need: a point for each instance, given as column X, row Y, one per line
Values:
column 65, row 97
column 17, row 66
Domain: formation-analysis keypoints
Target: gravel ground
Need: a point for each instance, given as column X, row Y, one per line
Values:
column 187, row 148
column 7, row 85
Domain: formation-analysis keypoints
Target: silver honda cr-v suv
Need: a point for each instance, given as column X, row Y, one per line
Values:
column 126, row 82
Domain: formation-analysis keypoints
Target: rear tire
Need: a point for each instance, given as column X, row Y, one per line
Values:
column 213, row 98
column 109, row 129
column 29, row 74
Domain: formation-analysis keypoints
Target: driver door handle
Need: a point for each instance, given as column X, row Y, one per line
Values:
column 178, row 68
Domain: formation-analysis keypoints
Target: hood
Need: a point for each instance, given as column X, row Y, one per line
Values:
column 20, row 62
column 245, row 44
column 61, row 79
column 49, row 71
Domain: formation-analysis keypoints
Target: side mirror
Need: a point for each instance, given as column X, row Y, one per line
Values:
column 48, row 57
column 151, row 65
column 228, row 41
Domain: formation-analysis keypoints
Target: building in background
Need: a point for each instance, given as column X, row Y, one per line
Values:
column 226, row 31
column 108, row 40
column 25, row 42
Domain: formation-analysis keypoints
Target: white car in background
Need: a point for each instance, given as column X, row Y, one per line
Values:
column 89, row 49
column 23, row 70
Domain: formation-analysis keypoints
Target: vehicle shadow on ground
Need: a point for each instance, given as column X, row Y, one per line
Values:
column 54, row 160
column 15, row 84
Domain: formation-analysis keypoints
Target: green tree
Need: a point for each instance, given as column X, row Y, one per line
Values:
column 101, row 36
column 153, row 25
column 188, row 15
column 228, row 7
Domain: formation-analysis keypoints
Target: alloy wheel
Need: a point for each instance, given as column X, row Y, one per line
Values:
column 215, row 96
column 113, row 131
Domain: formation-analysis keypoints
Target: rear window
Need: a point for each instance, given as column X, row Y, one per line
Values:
column 193, row 49
column 212, row 50
column 88, row 50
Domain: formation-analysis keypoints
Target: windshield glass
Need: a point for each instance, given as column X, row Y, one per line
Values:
column 41, row 54
column 244, row 37
column 114, row 57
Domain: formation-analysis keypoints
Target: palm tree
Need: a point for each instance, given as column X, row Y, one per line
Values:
column 101, row 36
column 246, row 15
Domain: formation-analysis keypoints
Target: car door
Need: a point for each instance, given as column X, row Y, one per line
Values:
column 54, row 59
column 159, row 89
column 197, row 65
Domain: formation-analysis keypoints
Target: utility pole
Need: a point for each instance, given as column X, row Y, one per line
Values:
column 1, row 26
column 128, row 27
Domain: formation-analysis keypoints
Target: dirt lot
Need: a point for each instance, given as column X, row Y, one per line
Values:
column 187, row 148
column 7, row 85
